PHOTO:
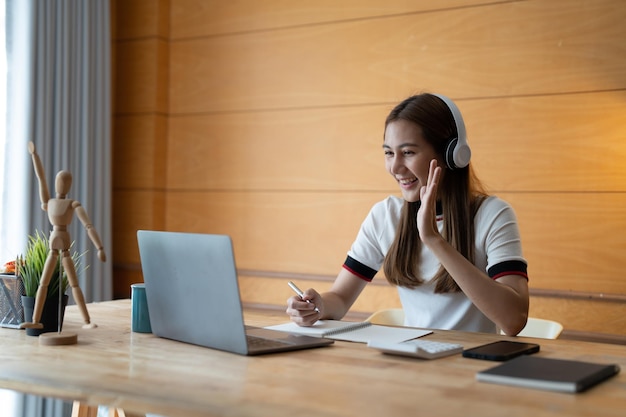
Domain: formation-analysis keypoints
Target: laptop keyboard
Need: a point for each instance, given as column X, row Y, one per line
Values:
column 260, row 342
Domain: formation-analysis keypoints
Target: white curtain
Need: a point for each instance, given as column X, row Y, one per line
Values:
column 71, row 126
column 60, row 72
column 15, row 172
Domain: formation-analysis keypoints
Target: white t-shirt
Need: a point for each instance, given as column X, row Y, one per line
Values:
column 498, row 251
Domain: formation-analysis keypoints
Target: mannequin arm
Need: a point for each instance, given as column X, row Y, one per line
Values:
column 44, row 193
column 91, row 231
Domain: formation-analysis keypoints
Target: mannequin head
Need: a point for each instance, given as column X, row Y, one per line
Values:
column 63, row 183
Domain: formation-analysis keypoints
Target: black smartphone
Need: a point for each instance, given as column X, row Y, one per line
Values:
column 502, row 350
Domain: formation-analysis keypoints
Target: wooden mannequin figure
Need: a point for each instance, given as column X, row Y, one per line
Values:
column 60, row 213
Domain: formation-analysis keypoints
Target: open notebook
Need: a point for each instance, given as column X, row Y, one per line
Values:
column 362, row 332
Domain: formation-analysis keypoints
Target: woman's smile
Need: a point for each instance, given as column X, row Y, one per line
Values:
column 407, row 182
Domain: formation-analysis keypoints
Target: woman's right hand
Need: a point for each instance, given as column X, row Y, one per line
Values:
column 303, row 313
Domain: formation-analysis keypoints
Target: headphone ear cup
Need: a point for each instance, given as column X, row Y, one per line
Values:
column 457, row 155
column 458, row 152
column 461, row 155
column 450, row 147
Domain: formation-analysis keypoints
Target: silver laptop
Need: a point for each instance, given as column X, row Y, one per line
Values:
column 193, row 295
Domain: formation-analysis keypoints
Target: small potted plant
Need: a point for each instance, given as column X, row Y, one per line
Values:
column 29, row 268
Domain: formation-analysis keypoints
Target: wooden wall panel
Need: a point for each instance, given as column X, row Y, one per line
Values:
column 134, row 210
column 292, row 232
column 212, row 17
column 520, row 48
column 574, row 143
column 125, row 276
column 297, row 149
column 573, row 241
column 582, row 315
column 142, row 76
column 140, row 151
column 141, row 66
column 549, row 143
column 142, row 18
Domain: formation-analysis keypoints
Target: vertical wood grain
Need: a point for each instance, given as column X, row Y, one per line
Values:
column 141, row 104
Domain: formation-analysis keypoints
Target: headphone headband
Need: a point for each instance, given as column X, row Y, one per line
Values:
column 458, row 152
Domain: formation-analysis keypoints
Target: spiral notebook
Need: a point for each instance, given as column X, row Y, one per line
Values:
column 361, row 332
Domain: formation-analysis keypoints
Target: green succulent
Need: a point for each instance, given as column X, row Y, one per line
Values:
column 30, row 266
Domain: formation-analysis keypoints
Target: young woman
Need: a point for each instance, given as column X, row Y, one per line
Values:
column 453, row 251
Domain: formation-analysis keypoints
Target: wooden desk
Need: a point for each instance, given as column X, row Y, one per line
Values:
column 140, row 373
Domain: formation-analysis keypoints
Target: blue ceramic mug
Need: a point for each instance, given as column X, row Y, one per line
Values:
column 140, row 316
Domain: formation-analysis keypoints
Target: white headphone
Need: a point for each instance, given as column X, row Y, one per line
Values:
column 458, row 152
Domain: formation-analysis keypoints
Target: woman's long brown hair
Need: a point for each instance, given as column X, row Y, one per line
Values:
column 460, row 195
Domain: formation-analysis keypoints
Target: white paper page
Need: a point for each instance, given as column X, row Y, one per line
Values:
column 320, row 328
column 363, row 335
column 381, row 333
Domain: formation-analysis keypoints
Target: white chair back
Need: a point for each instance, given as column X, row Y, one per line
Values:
column 546, row 329
column 542, row 328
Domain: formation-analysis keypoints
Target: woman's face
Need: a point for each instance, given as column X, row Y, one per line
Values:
column 408, row 156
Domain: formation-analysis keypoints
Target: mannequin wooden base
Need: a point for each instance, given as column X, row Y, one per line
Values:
column 58, row 339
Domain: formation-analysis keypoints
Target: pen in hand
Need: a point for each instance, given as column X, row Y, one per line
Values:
column 300, row 293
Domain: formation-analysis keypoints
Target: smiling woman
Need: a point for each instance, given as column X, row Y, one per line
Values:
column 453, row 251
